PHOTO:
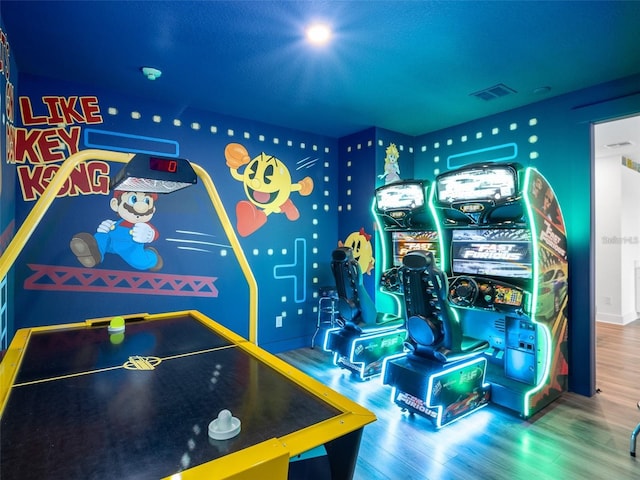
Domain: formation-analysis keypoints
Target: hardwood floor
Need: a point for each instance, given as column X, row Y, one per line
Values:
column 576, row 437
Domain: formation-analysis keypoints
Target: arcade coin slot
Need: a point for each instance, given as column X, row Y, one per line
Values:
column 521, row 352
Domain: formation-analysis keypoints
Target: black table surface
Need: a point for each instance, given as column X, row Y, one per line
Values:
column 75, row 411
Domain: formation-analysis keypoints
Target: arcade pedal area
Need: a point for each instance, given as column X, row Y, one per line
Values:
column 363, row 355
column 441, row 392
column 514, row 370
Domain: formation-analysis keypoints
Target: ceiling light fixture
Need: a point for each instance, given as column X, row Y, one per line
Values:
column 318, row 34
column 151, row 73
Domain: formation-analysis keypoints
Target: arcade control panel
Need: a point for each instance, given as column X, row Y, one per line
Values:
column 487, row 294
column 514, row 339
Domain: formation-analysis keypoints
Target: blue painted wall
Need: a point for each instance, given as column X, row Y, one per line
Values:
column 290, row 259
column 8, row 87
column 288, row 256
column 554, row 136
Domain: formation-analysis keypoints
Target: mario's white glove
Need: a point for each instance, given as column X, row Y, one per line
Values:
column 143, row 233
column 106, row 226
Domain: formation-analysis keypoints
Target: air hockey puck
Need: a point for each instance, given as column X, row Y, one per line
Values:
column 224, row 427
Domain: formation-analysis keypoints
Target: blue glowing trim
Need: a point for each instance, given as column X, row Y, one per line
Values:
column 456, row 366
column 326, row 338
column 386, row 361
column 466, row 414
column 360, row 365
column 547, row 368
column 379, row 231
column 507, row 151
column 126, row 142
column 393, row 393
column 336, row 357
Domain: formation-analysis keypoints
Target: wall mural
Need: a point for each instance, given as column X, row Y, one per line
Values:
column 360, row 243
column 45, row 141
column 267, row 184
column 129, row 236
column 391, row 166
column 98, row 253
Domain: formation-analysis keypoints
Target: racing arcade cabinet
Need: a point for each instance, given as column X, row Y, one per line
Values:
column 365, row 336
column 406, row 225
column 503, row 230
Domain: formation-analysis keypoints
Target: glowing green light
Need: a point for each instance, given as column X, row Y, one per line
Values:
column 434, row 213
column 546, row 340
column 383, row 249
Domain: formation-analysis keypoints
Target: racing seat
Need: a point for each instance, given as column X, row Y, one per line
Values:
column 427, row 379
column 364, row 336
column 434, row 332
column 356, row 310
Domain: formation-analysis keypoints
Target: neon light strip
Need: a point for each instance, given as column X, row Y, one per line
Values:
column 386, row 361
column 364, row 338
column 453, row 368
column 128, row 143
column 434, row 213
column 534, row 300
column 383, row 248
column 326, row 338
column 480, row 155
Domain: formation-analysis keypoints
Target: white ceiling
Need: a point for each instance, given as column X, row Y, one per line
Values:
column 615, row 132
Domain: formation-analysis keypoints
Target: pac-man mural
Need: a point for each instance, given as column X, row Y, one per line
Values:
column 268, row 186
column 360, row 243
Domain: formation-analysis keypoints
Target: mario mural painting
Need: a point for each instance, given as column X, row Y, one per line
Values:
column 267, row 185
column 129, row 237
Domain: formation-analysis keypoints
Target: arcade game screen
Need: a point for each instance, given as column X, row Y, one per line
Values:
column 398, row 196
column 483, row 183
column 501, row 253
column 404, row 242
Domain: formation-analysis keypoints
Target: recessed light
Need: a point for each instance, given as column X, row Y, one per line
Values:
column 318, row 33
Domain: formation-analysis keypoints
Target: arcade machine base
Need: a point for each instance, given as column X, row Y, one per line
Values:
column 363, row 354
column 440, row 392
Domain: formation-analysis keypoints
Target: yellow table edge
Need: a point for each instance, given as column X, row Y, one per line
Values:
column 265, row 457
column 267, row 460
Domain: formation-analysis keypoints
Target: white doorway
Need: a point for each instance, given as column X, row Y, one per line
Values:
column 617, row 220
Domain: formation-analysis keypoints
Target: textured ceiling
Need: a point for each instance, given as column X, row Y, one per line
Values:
column 408, row 66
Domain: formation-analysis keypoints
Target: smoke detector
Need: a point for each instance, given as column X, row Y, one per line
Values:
column 151, row 73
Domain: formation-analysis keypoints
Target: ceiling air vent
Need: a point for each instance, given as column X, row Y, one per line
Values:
column 625, row 143
column 497, row 91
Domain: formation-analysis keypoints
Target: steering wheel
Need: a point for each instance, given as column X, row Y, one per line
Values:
column 463, row 291
column 391, row 280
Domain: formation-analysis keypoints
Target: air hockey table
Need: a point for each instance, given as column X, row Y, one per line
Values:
column 79, row 402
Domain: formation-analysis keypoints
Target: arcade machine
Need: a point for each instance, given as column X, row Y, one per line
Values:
column 503, row 247
column 437, row 375
column 411, row 243
column 367, row 337
column 406, row 225
column 364, row 336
